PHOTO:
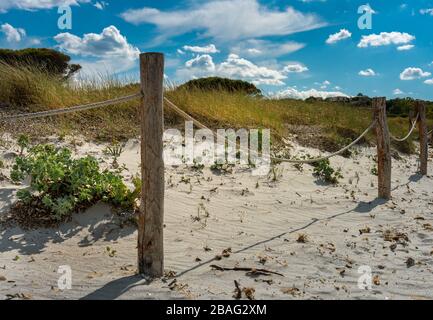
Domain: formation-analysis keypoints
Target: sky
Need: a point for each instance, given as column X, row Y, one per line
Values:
column 288, row 48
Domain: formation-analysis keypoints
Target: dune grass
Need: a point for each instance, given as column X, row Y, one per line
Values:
column 324, row 125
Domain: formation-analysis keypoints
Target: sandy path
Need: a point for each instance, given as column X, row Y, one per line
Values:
column 259, row 219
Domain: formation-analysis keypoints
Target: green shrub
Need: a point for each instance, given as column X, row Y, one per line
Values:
column 49, row 60
column 221, row 84
column 61, row 185
column 324, row 171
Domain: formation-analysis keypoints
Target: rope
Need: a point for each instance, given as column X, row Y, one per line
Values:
column 202, row 126
column 184, row 114
column 372, row 125
column 56, row 112
column 410, row 132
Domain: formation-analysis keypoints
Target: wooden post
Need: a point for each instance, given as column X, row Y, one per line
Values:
column 383, row 148
column 423, row 137
column 150, row 222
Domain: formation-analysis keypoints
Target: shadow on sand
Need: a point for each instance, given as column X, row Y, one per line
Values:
column 98, row 222
column 118, row 287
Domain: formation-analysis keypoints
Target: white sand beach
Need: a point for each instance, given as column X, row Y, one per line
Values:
column 316, row 236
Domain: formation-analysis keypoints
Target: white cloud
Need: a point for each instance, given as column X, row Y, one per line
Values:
column 413, row 74
column 226, row 19
column 203, row 62
column 237, row 67
column 292, row 92
column 12, row 34
column 256, row 48
column 110, row 47
column 5, row 5
column 427, row 11
column 110, row 42
column 385, row 39
column 233, row 67
column 100, row 5
column 207, row 49
column 429, row 81
column 341, row 35
column 367, row 73
column 295, row 68
column 397, row 92
column 405, row 47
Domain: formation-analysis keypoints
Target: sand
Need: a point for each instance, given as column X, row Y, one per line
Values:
column 316, row 235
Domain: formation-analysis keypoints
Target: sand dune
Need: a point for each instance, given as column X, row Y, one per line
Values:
column 316, row 235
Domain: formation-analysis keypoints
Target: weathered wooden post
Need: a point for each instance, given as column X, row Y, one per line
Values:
column 423, row 136
column 150, row 223
column 383, row 148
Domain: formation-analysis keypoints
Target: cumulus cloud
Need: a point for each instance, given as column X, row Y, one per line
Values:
column 295, row 68
column 385, row 39
column 110, row 42
column 202, row 61
column 233, row 67
column 292, row 92
column 397, row 92
column 6, row 5
column 207, row 49
column 110, row 47
column 367, row 73
column 11, row 33
column 429, row 81
column 226, row 19
column 341, row 35
column 237, row 67
column 413, row 74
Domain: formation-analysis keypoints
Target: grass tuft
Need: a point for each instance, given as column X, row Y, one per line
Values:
column 324, row 125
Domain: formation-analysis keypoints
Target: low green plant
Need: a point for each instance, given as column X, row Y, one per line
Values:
column 61, row 184
column 323, row 170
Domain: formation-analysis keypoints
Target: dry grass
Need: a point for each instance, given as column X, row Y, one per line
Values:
column 324, row 125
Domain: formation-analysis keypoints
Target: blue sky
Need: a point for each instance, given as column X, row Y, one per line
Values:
column 294, row 48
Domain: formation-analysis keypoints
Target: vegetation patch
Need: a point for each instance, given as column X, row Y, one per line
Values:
column 222, row 84
column 324, row 171
column 61, row 185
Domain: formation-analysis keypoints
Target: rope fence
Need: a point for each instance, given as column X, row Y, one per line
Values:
column 294, row 161
column 410, row 132
column 84, row 107
column 151, row 213
column 200, row 125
